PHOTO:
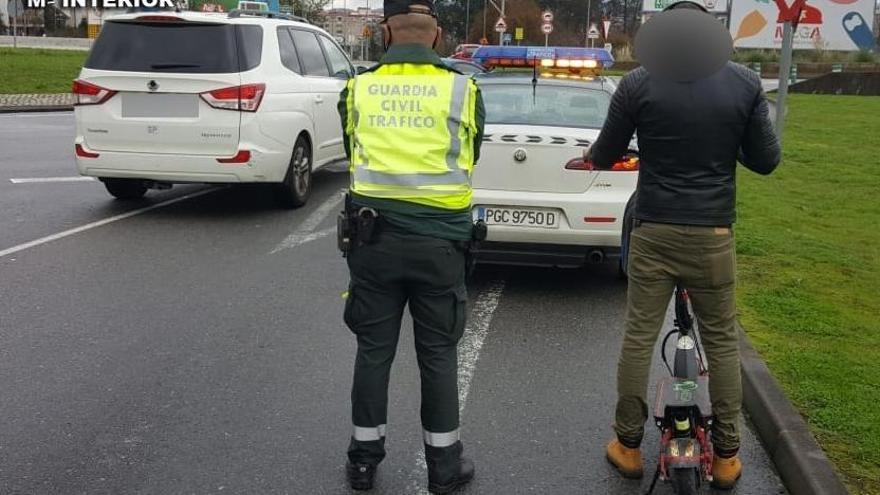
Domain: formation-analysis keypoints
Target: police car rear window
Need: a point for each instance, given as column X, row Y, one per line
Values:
column 183, row 47
column 545, row 105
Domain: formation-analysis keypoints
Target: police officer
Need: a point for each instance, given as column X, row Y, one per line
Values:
column 694, row 116
column 413, row 129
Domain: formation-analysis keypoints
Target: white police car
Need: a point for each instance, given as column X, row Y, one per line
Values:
column 176, row 97
column 543, row 203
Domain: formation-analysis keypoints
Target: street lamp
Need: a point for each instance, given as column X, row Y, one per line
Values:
column 467, row 22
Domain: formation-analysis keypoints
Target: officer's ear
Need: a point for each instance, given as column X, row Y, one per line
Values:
column 437, row 38
column 386, row 35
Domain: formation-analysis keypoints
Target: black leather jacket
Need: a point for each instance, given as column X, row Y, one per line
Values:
column 690, row 135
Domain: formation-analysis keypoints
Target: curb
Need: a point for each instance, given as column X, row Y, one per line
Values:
column 801, row 463
column 41, row 108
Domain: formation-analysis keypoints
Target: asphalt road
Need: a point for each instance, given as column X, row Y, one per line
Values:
column 198, row 347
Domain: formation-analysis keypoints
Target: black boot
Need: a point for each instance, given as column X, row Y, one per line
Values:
column 360, row 476
column 447, row 469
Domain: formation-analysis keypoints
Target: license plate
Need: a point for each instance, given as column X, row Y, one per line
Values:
column 518, row 217
column 168, row 105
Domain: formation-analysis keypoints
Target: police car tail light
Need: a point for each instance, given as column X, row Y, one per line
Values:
column 579, row 164
column 90, row 94
column 626, row 164
column 245, row 98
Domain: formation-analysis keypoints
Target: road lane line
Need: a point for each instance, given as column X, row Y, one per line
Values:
column 305, row 232
column 468, row 354
column 99, row 223
column 295, row 240
column 37, row 180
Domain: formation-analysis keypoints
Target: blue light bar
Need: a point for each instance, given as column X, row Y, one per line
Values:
column 528, row 54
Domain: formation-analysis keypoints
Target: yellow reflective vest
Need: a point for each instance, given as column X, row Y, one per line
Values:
column 412, row 129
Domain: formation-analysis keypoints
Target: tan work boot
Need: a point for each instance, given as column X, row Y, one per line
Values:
column 726, row 472
column 627, row 461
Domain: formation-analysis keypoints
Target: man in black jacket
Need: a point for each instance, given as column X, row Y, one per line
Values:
column 692, row 127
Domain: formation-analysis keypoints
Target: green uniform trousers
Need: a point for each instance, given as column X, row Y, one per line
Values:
column 702, row 260
column 397, row 269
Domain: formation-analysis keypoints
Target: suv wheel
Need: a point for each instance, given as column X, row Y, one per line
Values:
column 126, row 188
column 297, row 185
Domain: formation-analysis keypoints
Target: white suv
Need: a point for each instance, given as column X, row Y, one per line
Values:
column 209, row 98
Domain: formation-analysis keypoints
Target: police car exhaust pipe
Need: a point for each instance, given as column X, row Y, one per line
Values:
column 596, row 256
column 159, row 186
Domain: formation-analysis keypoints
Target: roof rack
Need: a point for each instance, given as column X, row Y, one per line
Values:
column 235, row 13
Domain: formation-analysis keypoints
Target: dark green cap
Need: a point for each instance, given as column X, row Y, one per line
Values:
column 397, row 7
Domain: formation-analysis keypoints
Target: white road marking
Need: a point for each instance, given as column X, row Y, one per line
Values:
column 99, row 223
column 295, row 239
column 37, row 180
column 468, row 353
column 305, row 232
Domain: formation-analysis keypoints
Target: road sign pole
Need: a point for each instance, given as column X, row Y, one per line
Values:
column 546, row 40
column 784, row 70
column 501, row 35
column 589, row 19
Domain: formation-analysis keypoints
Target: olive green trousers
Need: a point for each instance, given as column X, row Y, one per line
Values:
column 702, row 260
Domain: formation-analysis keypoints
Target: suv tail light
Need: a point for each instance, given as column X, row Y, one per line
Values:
column 83, row 153
column 161, row 18
column 627, row 163
column 90, row 94
column 243, row 156
column 245, row 98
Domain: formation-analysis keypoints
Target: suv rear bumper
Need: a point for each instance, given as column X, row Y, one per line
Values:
column 262, row 167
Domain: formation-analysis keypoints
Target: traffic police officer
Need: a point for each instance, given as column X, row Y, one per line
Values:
column 412, row 129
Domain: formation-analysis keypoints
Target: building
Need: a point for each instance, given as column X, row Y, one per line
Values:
column 349, row 26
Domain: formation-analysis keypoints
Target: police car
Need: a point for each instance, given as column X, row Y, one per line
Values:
column 543, row 203
column 181, row 97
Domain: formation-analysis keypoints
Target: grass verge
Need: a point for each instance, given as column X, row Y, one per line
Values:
column 809, row 271
column 37, row 70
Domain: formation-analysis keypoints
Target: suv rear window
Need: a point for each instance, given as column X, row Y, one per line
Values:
column 186, row 47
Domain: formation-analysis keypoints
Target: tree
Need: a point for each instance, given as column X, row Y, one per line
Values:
column 313, row 10
column 570, row 19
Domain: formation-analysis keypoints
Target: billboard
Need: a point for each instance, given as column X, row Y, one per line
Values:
column 716, row 6
column 826, row 24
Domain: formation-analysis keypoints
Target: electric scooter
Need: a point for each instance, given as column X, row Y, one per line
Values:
column 683, row 410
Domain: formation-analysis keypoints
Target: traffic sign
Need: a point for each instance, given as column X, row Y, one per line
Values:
column 501, row 25
column 546, row 28
column 607, row 25
column 507, row 38
column 547, row 17
column 593, row 33
column 520, row 34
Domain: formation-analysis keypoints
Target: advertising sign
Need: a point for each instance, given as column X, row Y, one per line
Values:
column 826, row 24
column 716, row 6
